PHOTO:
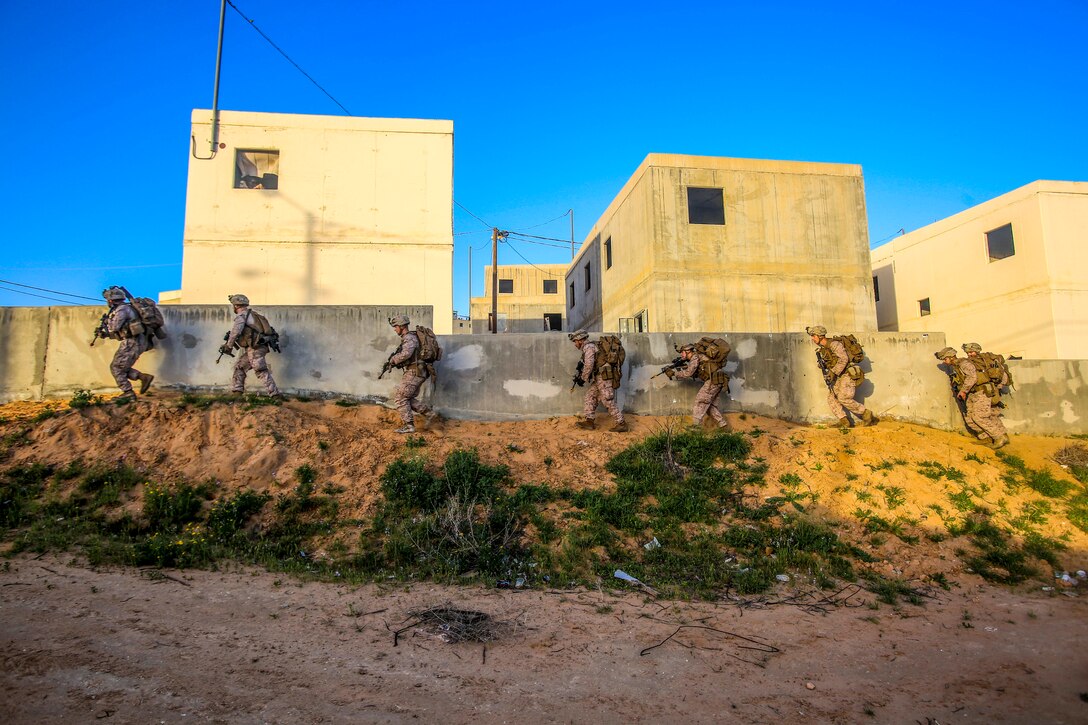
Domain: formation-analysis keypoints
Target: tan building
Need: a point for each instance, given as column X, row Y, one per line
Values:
column 530, row 299
column 1010, row 274
column 696, row 243
column 320, row 210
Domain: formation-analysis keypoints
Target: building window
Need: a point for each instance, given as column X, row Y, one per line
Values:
column 256, row 169
column 705, row 206
column 589, row 277
column 608, row 253
column 923, row 307
column 551, row 287
column 876, row 288
column 570, row 302
column 553, row 321
column 999, row 243
column 642, row 322
column 506, row 286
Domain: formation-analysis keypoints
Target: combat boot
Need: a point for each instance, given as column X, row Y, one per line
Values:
column 868, row 418
column 145, row 382
column 406, row 429
column 844, row 422
column 586, row 424
column 983, row 436
column 620, row 427
column 1000, row 443
column 129, row 397
column 723, row 424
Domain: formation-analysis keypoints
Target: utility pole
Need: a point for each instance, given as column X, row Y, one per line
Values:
column 571, row 212
column 470, row 285
column 215, row 93
column 494, row 280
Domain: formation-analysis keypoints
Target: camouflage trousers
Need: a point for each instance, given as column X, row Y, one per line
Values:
column 981, row 416
column 601, row 392
column 126, row 356
column 405, row 397
column 253, row 358
column 841, row 396
column 706, row 402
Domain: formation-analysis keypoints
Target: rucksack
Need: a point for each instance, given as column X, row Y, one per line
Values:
column 714, row 349
column 853, row 348
column 150, row 316
column 610, row 357
column 429, row 351
column 266, row 334
column 994, row 366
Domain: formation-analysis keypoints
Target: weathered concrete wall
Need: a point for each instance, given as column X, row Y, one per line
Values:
column 340, row 350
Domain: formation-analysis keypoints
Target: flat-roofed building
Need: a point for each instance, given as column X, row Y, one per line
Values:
column 529, row 298
column 1010, row 273
column 320, row 210
column 706, row 243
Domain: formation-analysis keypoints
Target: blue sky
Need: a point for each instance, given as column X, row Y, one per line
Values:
column 945, row 105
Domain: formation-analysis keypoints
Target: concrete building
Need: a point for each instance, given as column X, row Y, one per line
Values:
column 320, row 210
column 739, row 245
column 530, row 299
column 1010, row 274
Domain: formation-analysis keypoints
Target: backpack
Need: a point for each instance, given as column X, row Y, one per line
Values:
column 150, row 316
column 853, row 348
column 429, row 351
column 266, row 334
column 714, row 349
column 610, row 357
column 994, row 366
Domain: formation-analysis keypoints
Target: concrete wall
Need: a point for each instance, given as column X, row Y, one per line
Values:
column 340, row 350
column 1031, row 304
column 362, row 214
column 793, row 250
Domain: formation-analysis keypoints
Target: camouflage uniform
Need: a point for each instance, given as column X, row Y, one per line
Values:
column 597, row 391
column 981, row 416
column 251, row 357
column 842, row 390
column 707, row 397
column 130, row 349
column 415, row 374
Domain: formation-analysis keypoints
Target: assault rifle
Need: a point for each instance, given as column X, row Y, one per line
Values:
column 828, row 377
column 102, row 331
column 676, row 364
column 223, row 349
column 388, row 365
column 577, row 379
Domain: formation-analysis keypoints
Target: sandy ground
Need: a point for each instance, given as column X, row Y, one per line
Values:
column 244, row 646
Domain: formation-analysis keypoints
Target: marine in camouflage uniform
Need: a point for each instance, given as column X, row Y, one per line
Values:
column 707, row 398
column 598, row 391
column 244, row 335
column 839, row 374
column 123, row 323
column 406, row 357
column 979, row 414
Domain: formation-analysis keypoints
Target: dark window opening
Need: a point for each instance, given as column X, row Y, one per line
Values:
column 999, row 243
column 553, row 321
column 876, row 288
column 589, row 278
column 642, row 323
column 923, row 307
column 551, row 286
column 705, row 206
column 571, row 300
column 506, row 286
column 256, row 169
column 608, row 253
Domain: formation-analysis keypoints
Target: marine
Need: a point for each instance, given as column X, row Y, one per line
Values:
column 245, row 336
column 407, row 358
column 123, row 323
column 714, row 381
column 842, row 377
column 976, row 391
column 599, row 389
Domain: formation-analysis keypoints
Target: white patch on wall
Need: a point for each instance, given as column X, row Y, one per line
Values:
column 640, row 377
column 1068, row 416
column 1074, row 384
column 468, row 357
column 746, row 398
column 1013, row 424
column 531, row 389
column 746, row 349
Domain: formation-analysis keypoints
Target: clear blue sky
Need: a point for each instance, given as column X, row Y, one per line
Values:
column 944, row 104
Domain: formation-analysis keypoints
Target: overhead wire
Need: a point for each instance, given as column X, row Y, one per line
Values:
column 489, row 226
column 550, row 220
column 292, row 62
column 31, row 294
column 550, row 239
column 515, row 250
column 51, row 291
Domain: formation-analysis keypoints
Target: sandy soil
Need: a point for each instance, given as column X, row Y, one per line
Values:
column 244, row 646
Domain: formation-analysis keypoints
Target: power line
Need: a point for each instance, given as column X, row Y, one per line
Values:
column 51, row 291
column 489, row 226
column 549, row 221
column 515, row 250
column 31, row 294
column 296, row 65
column 520, row 238
column 550, row 239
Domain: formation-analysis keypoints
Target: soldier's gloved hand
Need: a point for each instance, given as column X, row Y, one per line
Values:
column 387, row 366
column 223, row 349
column 670, row 373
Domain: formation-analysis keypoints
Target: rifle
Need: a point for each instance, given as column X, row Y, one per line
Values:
column 388, row 365
column 102, row 331
column 827, row 373
column 577, row 379
column 676, row 364
column 223, row 349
